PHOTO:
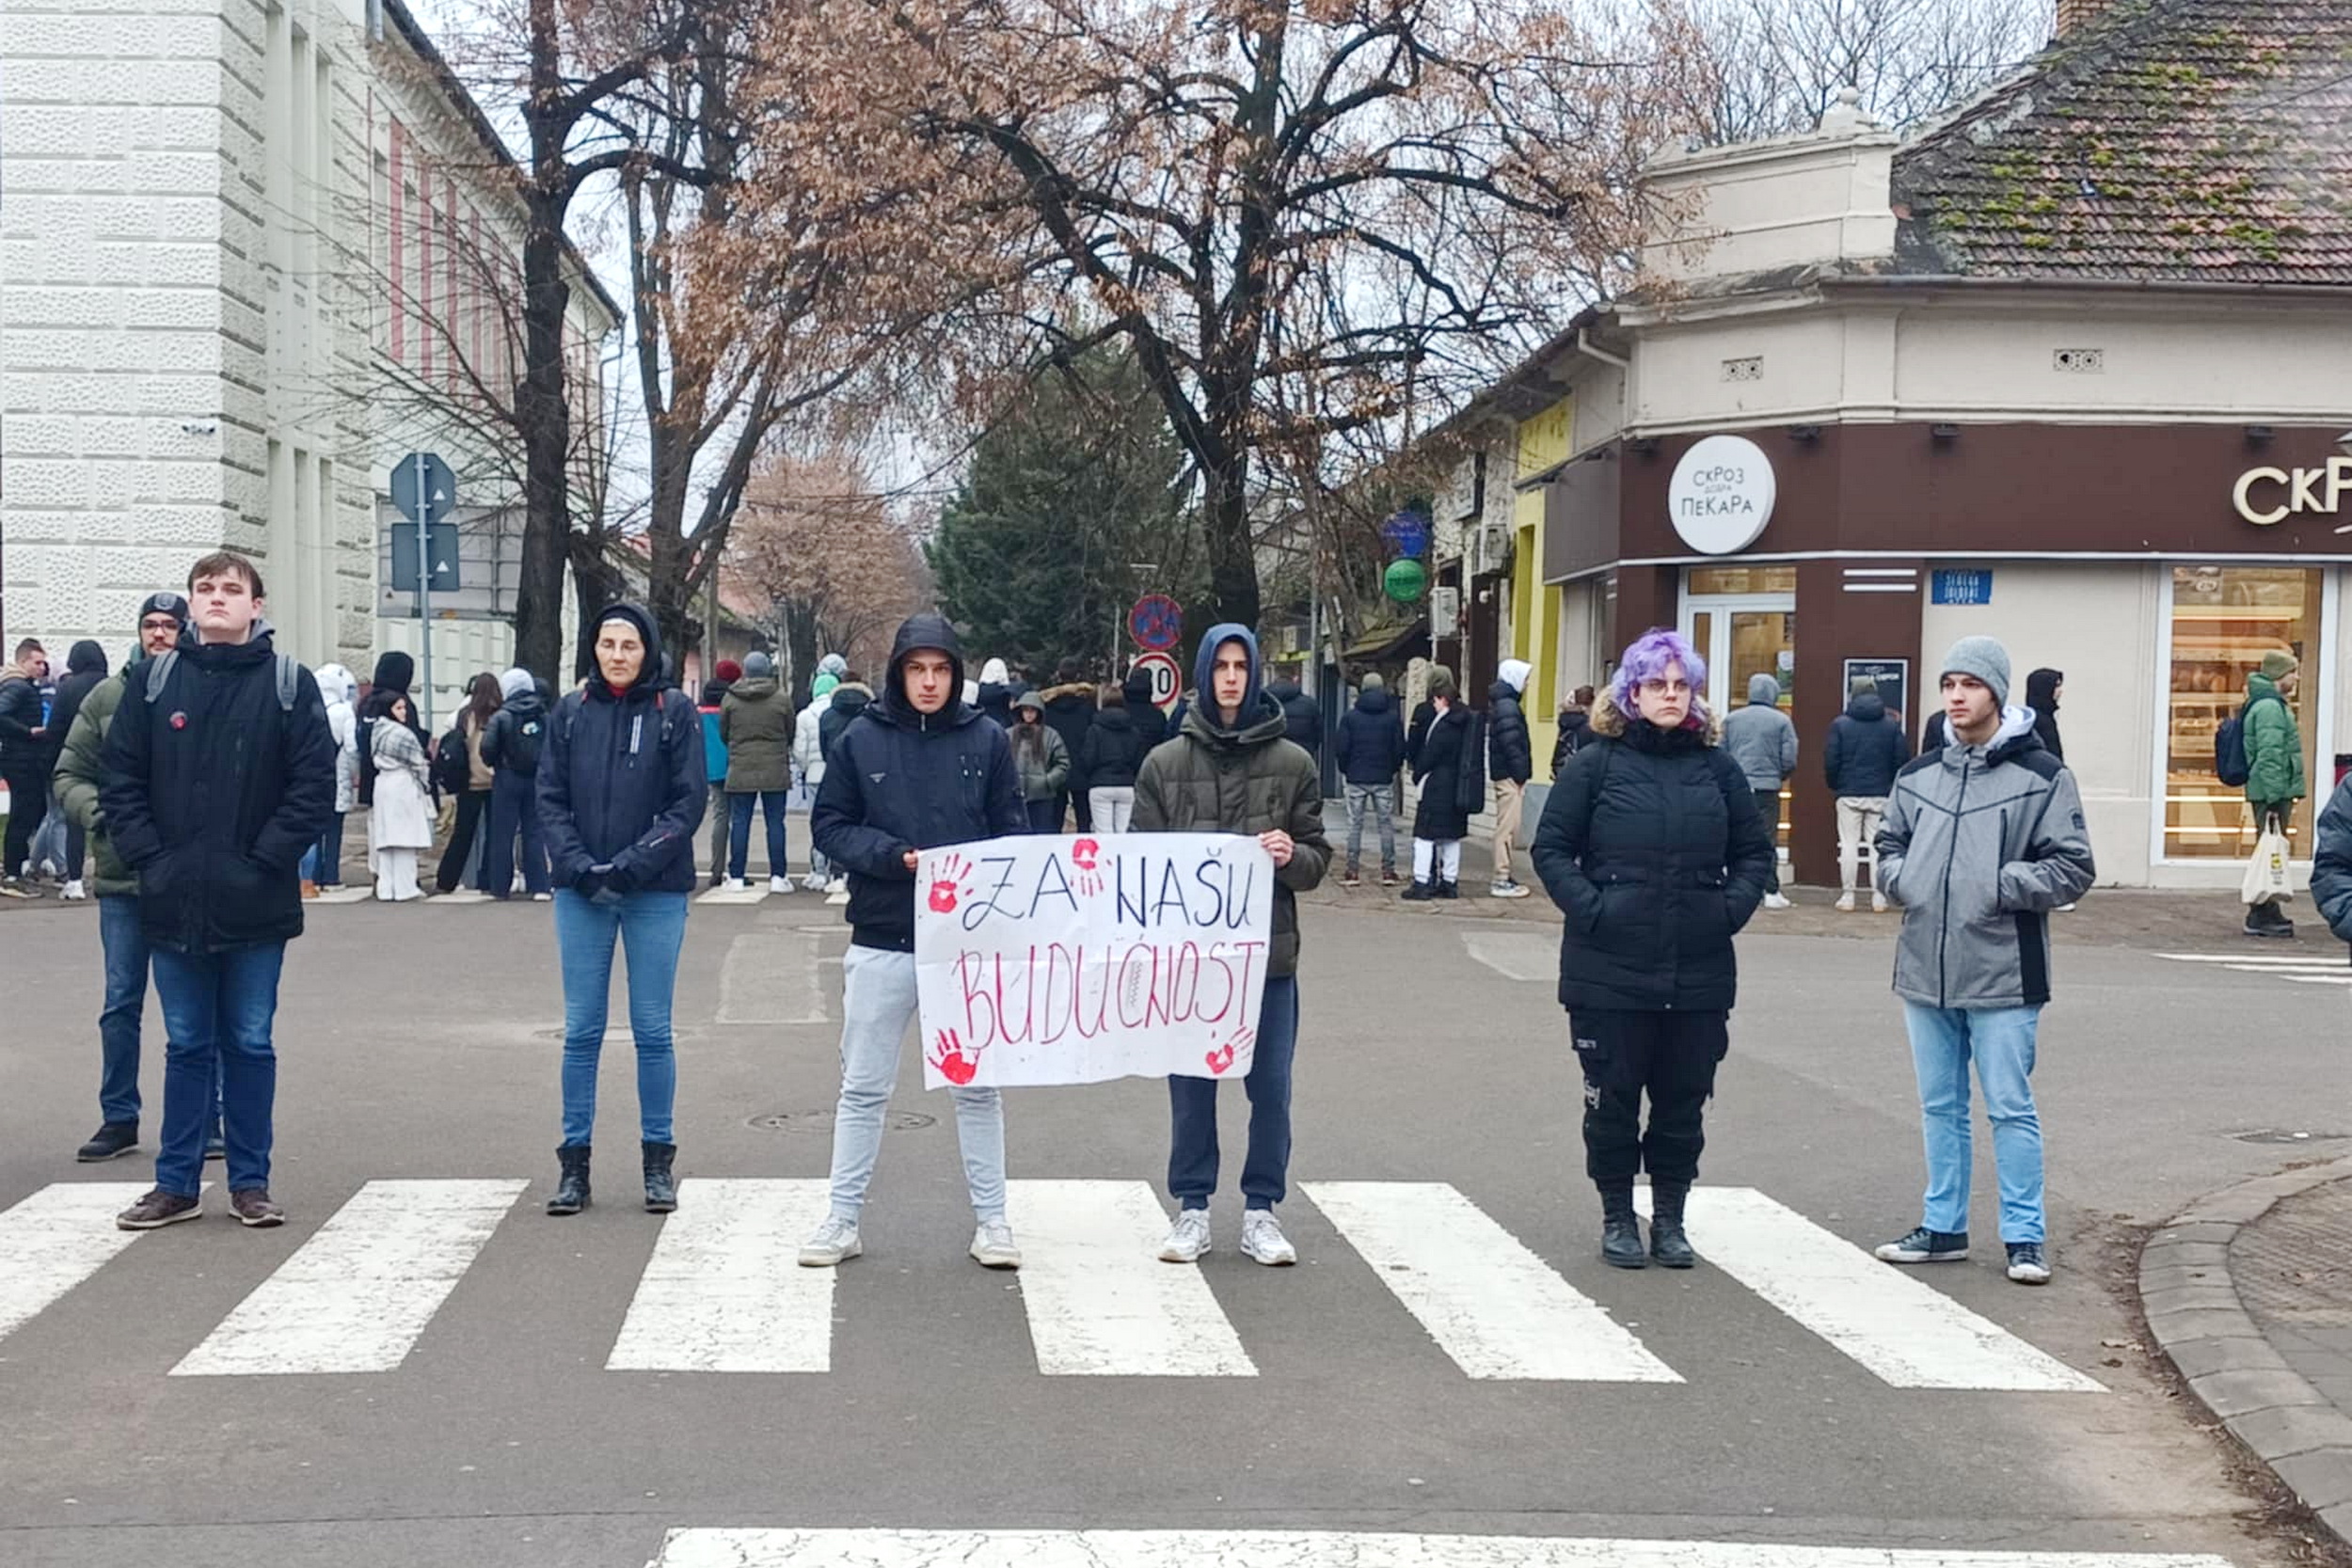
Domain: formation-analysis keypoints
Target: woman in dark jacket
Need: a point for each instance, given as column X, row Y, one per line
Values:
column 1107, row 759
column 1652, row 847
column 394, row 673
column 1439, row 749
column 2043, row 689
column 622, row 789
column 85, row 667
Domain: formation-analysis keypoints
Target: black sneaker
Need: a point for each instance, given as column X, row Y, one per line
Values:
column 158, row 1208
column 1419, row 893
column 110, row 1142
column 2026, row 1265
column 253, row 1207
column 1927, row 1247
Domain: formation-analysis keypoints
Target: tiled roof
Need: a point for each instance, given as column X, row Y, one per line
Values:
column 2200, row 139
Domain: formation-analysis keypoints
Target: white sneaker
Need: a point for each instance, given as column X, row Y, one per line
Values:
column 779, row 884
column 992, row 1247
column 543, row 897
column 1845, row 903
column 813, row 882
column 1877, row 903
column 1187, row 1239
column 834, row 1242
column 1775, row 901
column 734, row 884
column 839, row 887
column 1506, row 890
column 73, row 890
column 1262, row 1239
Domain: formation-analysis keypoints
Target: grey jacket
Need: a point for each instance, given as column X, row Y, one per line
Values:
column 1760, row 738
column 1979, row 844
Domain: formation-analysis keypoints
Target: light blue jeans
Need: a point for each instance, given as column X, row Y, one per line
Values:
column 651, row 929
column 2001, row 1042
column 878, row 1002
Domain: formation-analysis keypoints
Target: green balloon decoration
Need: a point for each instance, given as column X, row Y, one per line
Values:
column 1405, row 580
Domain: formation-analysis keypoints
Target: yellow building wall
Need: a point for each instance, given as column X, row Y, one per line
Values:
column 1545, row 441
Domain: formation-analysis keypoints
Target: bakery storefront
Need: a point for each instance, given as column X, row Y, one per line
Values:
column 2154, row 565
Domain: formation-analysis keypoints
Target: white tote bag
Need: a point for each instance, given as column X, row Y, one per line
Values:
column 2267, row 874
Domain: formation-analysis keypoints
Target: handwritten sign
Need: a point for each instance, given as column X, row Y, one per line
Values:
column 1071, row 960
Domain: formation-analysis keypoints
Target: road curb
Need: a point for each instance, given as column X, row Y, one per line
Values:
column 2198, row 1320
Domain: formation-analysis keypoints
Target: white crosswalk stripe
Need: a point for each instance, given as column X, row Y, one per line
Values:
column 725, row 1292
column 356, row 1297
column 58, row 1238
column 1101, row 1302
column 1488, row 1302
column 2319, row 968
column 1098, row 1548
column 749, row 894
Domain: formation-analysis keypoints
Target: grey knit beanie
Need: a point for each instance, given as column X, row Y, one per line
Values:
column 759, row 666
column 1983, row 657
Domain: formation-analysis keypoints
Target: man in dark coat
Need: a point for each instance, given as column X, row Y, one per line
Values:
column 25, row 758
column 86, row 670
column 1511, row 763
column 916, row 770
column 213, row 790
column 394, row 673
column 1867, row 749
column 1302, row 716
column 1069, row 712
column 1371, row 749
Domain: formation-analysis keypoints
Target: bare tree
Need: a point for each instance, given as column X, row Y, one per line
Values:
column 816, row 544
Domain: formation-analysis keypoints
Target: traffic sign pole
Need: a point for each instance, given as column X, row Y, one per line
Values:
column 424, row 589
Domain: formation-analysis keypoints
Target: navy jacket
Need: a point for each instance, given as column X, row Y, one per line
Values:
column 1115, row 747
column 213, row 791
column 623, row 780
column 1867, row 749
column 1372, row 740
column 1302, row 716
column 901, row 780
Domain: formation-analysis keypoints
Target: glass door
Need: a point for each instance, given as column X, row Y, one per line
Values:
column 1744, row 622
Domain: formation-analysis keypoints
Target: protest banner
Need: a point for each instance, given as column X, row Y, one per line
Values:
column 1071, row 960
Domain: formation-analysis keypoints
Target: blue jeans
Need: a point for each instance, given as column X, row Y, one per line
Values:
column 652, row 928
column 1370, row 800
column 219, row 1009
column 740, row 830
column 124, row 941
column 328, row 869
column 1045, row 815
column 1192, row 1103
column 878, row 1002
column 2001, row 1040
column 514, row 809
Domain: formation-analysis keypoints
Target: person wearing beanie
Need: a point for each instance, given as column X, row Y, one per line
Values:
column 756, row 724
column 1511, row 762
column 81, row 774
column 86, row 668
column 2276, row 778
column 1652, row 846
column 1982, row 841
column 997, row 689
column 808, row 753
column 835, row 665
column 512, row 746
column 1763, row 741
column 1447, row 750
column 1867, row 745
column 1370, row 751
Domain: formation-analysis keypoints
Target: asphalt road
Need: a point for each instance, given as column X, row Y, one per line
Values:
column 420, row 1044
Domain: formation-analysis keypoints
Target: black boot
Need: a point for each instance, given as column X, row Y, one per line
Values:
column 1449, row 890
column 571, row 1188
column 1667, row 1244
column 660, row 1188
column 1620, row 1231
column 1419, row 893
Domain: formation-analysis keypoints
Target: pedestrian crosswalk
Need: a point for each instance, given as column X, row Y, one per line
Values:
column 2324, row 965
column 721, row 1292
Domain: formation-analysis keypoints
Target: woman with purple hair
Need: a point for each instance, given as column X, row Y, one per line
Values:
column 1652, row 846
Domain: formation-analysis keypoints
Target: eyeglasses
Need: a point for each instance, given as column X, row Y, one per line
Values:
column 1656, row 687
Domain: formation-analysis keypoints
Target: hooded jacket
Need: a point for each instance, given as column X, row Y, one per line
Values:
column 1045, row 769
column 1510, row 750
column 1303, row 715
column 1250, row 779
column 1115, row 747
column 1576, row 731
column 211, row 793
column 1442, row 765
column 1652, row 846
column 394, row 673
column 518, row 736
column 1070, row 713
column 1980, row 843
column 2042, row 696
column 1866, row 748
column 808, row 739
column 898, row 779
column 622, row 779
column 81, row 772
column 2331, row 863
column 22, row 755
column 337, row 688
column 84, row 668
column 756, row 724
column 849, row 700
column 2274, row 747
column 1372, row 740
column 997, row 688
column 1761, row 738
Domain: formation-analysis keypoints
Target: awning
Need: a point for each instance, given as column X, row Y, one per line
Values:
column 1379, row 643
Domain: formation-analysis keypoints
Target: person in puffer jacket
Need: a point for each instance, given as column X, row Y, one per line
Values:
column 1763, row 741
column 1511, row 762
column 2331, row 863
column 1867, row 744
column 1982, row 841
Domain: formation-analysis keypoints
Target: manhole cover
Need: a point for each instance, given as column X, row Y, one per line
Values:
column 2282, row 1136
column 822, row 1121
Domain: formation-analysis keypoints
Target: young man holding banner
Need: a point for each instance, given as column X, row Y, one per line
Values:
column 1231, row 769
column 916, row 770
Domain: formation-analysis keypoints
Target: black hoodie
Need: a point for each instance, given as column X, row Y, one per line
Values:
column 2041, row 696
column 85, row 667
column 622, row 781
column 1867, row 749
column 899, row 778
column 1371, row 739
column 394, row 673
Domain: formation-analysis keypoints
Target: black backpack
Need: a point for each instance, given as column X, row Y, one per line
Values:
column 521, row 742
column 2231, row 763
column 452, row 765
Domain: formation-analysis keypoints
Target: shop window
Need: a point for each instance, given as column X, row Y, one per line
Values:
column 1742, row 579
column 2224, row 619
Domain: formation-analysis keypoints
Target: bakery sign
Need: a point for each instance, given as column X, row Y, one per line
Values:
column 2268, row 496
column 1722, row 494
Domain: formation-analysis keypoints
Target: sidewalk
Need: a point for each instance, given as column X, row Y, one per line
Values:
column 2250, row 1294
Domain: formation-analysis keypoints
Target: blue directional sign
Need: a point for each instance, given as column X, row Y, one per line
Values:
column 1408, row 534
column 422, row 482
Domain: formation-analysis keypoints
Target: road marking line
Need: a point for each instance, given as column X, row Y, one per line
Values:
column 344, row 896
column 2318, row 979
column 55, row 1239
column 771, row 977
column 2255, row 961
column 1101, row 1304
column 1882, row 1316
column 1488, row 1302
column 724, row 1291
column 733, row 895
column 914, row 1548
column 355, row 1296
column 1516, row 955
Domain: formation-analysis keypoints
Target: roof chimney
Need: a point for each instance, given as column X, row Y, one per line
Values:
column 2074, row 15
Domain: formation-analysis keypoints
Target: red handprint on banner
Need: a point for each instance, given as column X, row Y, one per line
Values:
column 1086, row 855
column 947, row 887
column 949, row 1056
column 1222, row 1057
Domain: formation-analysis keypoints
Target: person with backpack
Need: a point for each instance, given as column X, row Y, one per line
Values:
column 469, row 779
column 2274, row 775
column 1576, row 728
column 1110, row 755
column 1763, row 741
column 2331, row 863
column 622, row 786
column 1444, row 752
column 1867, row 745
column 1984, row 840
column 399, row 824
column 1511, row 759
column 756, row 724
column 712, row 703
column 219, row 775
column 1652, row 846
column 1370, row 750
column 323, row 867
column 512, row 746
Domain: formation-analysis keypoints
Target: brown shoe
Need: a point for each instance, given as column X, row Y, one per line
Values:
column 310, row 889
column 158, row 1208
column 252, row 1208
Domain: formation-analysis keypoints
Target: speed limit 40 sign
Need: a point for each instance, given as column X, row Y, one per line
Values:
column 1168, row 679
